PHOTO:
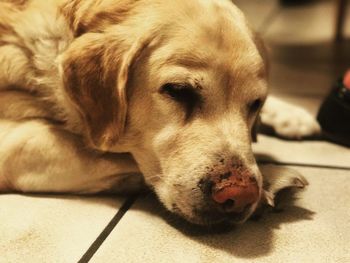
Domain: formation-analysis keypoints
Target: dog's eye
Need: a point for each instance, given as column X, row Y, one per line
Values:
column 255, row 105
column 184, row 94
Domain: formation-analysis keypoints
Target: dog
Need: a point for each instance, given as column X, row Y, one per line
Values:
column 116, row 95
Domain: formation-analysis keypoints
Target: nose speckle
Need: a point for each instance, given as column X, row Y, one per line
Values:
column 206, row 185
column 225, row 175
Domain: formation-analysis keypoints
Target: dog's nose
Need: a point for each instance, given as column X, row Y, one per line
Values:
column 235, row 192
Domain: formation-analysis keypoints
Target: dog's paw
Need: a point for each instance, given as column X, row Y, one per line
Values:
column 277, row 179
column 288, row 120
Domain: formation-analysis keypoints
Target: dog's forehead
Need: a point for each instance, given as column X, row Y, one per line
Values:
column 219, row 37
column 212, row 63
column 215, row 49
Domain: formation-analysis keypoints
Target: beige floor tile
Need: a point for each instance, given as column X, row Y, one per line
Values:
column 303, row 23
column 303, row 152
column 304, row 59
column 51, row 228
column 315, row 229
column 258, row 12
column 301, row 79
column 308, row 69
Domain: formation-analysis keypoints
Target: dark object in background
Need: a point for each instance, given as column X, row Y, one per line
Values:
column 334, row 114
column 294, row 2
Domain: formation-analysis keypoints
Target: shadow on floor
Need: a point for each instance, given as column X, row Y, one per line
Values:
column 255, row 238
column 249, row 240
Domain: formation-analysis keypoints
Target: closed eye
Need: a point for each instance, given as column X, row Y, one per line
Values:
column 184, row 94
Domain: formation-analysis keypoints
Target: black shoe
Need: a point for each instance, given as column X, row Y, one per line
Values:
column 334, row 114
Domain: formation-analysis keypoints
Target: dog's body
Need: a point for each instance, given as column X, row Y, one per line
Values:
column 68, row 123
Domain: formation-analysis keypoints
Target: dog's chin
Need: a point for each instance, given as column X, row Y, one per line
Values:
column 211, row 217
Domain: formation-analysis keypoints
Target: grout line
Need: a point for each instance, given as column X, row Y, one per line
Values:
column 332, row 167
column 107, row 230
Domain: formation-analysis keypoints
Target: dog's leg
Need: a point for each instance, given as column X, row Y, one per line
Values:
column 288, row 120
column 15, row 67
column 36, row 156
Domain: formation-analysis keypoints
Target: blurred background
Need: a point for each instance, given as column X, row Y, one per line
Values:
column 308, row 42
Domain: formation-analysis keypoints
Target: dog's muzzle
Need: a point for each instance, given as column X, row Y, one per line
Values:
column 230, row 195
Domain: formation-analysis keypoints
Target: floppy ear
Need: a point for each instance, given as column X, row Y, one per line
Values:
column 95, row 71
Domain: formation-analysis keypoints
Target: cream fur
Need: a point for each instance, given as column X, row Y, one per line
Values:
column 51, row 120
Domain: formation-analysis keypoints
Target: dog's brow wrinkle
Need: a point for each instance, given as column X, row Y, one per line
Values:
column 187, row 60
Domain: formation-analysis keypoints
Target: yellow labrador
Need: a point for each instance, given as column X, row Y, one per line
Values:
column 110, row 95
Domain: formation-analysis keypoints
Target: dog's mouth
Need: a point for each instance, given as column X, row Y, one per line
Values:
column 216, row 217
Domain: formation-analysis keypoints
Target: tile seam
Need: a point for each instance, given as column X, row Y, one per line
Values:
column 107, row 230
column 310, row 165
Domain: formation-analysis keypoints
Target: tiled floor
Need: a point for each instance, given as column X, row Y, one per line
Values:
column 314, row 229
column 308, row 231
column 51, row 228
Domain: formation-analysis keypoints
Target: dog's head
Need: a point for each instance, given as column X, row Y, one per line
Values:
column 179, row 85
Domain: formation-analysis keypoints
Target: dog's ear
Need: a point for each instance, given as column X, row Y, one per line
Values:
column 95, row 71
